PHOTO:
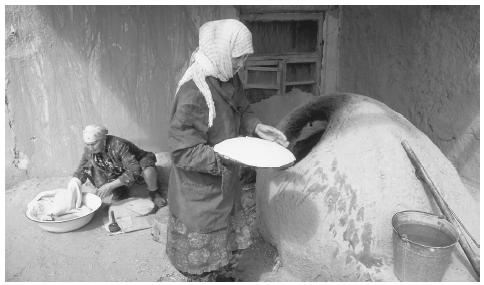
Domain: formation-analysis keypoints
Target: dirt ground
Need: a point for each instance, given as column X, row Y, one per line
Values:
column 91, row 254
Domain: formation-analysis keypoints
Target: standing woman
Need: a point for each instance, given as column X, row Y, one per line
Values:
column 204, row 188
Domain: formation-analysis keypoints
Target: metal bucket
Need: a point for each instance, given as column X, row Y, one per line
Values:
column 422, row 245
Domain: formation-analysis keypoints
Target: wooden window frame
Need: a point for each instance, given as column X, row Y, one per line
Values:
column 258, row 61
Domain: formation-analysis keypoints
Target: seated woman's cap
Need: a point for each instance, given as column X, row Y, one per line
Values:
column 94, row 133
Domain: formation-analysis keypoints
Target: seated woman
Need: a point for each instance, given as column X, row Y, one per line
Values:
column 112, row 164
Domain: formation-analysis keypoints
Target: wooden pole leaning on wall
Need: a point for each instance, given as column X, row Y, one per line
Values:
column 471, row 255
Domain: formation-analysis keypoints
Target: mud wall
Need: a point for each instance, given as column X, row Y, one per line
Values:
column 423, row 62
column 68, row 66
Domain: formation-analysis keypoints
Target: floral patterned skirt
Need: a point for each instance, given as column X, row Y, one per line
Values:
column 196, row 253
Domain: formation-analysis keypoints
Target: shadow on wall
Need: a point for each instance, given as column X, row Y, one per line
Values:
column 305, row 223
column 464, row 153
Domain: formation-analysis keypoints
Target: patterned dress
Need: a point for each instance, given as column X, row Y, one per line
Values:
column 195, row 253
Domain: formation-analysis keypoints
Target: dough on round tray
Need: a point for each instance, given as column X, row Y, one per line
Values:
column 255, row 152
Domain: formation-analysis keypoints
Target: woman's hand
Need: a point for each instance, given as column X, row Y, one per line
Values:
column 107, row 189
column 271, row 134
column 104, row 191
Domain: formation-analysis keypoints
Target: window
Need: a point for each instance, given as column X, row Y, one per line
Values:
column 287, row 54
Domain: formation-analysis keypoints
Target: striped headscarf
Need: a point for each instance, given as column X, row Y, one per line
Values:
column 219, row 42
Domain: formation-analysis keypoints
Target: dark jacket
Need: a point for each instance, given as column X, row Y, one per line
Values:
column 201, row 187
column 123, row 160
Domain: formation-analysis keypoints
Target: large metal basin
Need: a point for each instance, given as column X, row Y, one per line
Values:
column 90, row 200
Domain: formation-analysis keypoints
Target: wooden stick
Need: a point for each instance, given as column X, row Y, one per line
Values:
column 465, row 229
column 472, row 256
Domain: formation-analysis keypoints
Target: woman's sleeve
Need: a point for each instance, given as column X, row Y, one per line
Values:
column 83, row 166
column 130, row 164
column 248, row 118
column 188, row 135
column 249, row 121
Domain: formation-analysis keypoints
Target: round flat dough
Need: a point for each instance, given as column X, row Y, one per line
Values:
column 255, row 152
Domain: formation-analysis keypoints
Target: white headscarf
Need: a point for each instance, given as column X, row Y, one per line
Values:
column 93, row 133
column 219, row 42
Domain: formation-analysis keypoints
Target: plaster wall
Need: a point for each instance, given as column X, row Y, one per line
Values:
column 423, row 62
column 69, row 66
